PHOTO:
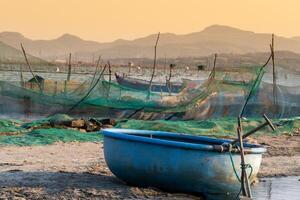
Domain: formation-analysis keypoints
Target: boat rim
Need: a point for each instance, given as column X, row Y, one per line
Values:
column 139, row 136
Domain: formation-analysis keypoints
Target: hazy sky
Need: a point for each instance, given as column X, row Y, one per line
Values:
column 106, row 20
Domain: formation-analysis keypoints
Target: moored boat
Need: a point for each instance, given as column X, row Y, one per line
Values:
column 178, row 162
column 143, row 85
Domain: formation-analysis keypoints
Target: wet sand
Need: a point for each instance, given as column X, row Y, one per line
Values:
column 78, row 171
column 282, row 157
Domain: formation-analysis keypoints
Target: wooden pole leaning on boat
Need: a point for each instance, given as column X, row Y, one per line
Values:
column 246, row 190
column 268, row 122
column 227, row 146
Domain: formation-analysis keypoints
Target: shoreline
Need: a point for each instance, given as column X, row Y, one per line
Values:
column 78, row 171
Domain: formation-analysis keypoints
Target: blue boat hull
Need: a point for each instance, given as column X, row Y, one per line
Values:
column 174, row 165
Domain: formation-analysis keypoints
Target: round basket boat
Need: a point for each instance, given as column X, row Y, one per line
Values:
column 178, row 162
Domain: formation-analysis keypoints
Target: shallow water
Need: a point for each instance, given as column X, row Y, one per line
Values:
column 288, row 80
column 277, row 188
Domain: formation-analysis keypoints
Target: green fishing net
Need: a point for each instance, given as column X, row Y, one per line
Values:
column 104, row 94
column 49, row 136
column 214, row 127
column 40, row 132
column 10, row 126
column 223, row 127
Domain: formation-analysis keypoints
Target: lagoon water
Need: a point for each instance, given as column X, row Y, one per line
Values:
column 277, row 188
column 282, row 79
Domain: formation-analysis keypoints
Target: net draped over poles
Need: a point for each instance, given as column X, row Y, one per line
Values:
column 222, row 94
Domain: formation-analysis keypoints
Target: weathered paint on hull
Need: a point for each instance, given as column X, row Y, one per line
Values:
column 175, row 168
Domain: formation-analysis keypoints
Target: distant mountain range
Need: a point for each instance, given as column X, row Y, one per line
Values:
column 213, row 39
column 10, row 54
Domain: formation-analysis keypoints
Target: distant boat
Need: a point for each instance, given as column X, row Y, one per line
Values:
column 178, row 162
column 139, row 84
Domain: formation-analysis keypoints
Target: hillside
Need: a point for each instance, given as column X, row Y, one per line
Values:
column 50, row 49
column 12, row 55
column 213, row 39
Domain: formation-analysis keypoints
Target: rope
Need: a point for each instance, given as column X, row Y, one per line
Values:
column 88, row 93
column 238, row 194
column 136, row 111
column 96, row 71
column 255, row 84
column 246, row 166
column 233, row 167
column 235, row 172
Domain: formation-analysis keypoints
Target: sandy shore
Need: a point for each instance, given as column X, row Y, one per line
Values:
column 78, row 171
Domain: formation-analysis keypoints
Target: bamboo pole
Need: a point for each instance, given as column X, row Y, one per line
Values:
column 69, row 68
column 21, row 76
column 55, row 88
column 154, row 62
column 165, row 64
column 89, row 92
column 129, row 67
column 213, row 72
column 96, row 69
column 30, row 69
column 109, row 71
column 170, row 72
column 251, row 91
column 109, row 78
column 246, row 191
column 274, row 73
column 168, row 81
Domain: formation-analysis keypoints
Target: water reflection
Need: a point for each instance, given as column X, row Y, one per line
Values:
column 283, row 188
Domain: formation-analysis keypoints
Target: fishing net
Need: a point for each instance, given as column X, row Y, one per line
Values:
column 10, row 126
column 15, row 132
column 206, row 107
column 40, row 132
column 112, row 95
column 49, row 136
column 225, row 92
column 221, row 127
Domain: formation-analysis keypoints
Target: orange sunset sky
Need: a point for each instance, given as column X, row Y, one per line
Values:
column 128, row 19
